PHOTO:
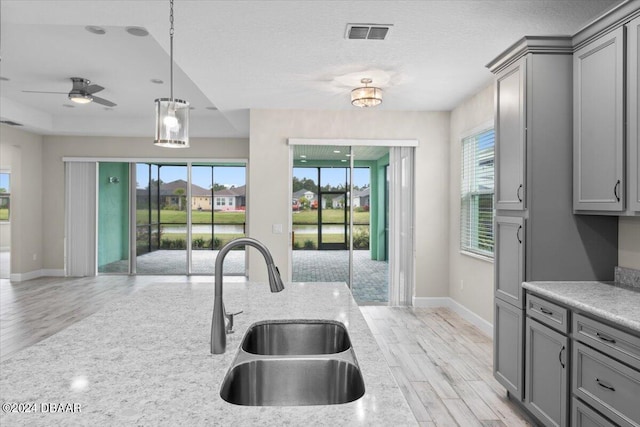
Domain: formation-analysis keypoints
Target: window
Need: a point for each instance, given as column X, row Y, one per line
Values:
column 476, row 195
column 5, row 196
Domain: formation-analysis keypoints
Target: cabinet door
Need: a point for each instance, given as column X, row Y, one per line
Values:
column 507, row 347
column 633, row 121
column 546, row 378
column 510, row 118
column 509, row 259
column 598, row 95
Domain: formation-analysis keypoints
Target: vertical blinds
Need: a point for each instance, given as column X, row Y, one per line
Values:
column 476, row 195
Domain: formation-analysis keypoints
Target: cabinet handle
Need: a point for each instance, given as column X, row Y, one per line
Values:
column 518, row 234
column 560, row 357
column 604, row 385
column 546, row 311
column 615, row 190
column 605, row 338
column 518, row 193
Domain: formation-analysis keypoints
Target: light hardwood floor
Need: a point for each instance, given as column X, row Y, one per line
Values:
column 442, row 363
column 443, row 366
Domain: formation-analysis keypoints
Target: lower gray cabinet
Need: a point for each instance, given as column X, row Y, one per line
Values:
column 507, row 347
column 583, row 416
column 546, row 394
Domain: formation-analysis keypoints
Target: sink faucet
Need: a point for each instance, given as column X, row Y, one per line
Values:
column 218, row 329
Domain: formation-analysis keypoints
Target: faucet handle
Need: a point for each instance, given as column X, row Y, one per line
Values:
column 229, row 325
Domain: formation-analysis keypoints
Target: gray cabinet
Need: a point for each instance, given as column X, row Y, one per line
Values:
column 633, row 114
column 598, row 79
column 546, row 394
column 507, row 347
column 509, row 259
column 510, row 126
column 583, row 416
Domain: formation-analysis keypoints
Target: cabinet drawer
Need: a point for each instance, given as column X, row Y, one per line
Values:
column 617, row 344
column 548, row 313
column 583, row 416
column 609, row 386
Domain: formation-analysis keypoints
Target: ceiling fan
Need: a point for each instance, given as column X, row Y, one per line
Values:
column 82, row 92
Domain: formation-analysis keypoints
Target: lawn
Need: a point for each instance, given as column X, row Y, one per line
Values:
column 328, row 216
column 4, row 214
column 197, row 217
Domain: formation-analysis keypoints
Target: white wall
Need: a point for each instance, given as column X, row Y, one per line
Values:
column 57, row 147
column 470, row 279
column 269, row 199
column 21, row 153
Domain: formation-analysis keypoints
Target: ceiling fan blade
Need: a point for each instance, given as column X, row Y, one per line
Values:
column 93, row 89
column 39, row 91
column 103, row 101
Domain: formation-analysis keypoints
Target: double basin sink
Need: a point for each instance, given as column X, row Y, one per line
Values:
column 294, row 363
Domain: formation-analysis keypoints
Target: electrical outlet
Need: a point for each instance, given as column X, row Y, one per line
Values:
column 35, row 257
column 276, row 229
column 461, row 284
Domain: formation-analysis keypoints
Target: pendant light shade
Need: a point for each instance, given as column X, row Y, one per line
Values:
column 172, row 123
column 172, row 115
column 366, row 96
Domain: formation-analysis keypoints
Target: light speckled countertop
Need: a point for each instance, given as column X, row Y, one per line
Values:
column 620, row 305
column 144, row 360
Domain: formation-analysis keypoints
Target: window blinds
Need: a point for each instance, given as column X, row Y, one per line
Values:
column 476, row 195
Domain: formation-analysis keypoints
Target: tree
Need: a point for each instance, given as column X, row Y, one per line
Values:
column 180, row 192
column 218, row 187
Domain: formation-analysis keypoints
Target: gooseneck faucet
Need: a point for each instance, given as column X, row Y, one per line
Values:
column 218, row 330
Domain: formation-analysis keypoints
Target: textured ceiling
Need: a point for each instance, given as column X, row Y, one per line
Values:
column 241, row 55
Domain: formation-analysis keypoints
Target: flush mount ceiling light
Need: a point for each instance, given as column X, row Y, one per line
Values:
column 80, row 97
column 367, row 96
column 172, row 115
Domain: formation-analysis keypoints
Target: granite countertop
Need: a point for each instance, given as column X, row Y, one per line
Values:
column 617, row 304
column 145, row 360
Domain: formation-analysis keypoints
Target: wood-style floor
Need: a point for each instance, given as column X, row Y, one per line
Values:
column 443, row 366
column 442, row 363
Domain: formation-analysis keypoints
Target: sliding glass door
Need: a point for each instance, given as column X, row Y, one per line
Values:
column 183, row 212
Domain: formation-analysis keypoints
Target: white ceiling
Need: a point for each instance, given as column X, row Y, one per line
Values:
column 241, row 55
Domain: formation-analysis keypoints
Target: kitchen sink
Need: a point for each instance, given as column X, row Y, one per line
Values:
column 296, row 337
column 293, row 382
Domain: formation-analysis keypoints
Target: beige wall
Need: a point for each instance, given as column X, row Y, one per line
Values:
column 269, row 199
column 57, row 147
column 470, row 278
column 21, row 153
column 629, row 242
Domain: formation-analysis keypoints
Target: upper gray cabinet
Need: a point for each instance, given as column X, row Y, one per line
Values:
column 598, row 169
column 633, row 113
column 511, row 132
column 509, row 259
column 606, row 155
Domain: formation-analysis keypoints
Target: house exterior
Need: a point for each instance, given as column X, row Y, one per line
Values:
column 173, row 194
column 307, row 194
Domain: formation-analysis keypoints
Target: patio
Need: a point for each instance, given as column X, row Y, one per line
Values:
column 370, row 277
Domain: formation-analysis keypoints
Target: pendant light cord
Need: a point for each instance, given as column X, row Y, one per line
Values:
column 171, row 47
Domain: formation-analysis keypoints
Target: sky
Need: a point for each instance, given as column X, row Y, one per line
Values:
column 4, row 181
column 236, row 175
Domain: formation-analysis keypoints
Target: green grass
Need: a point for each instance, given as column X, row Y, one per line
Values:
column 4, row 214
column 328, row 216
column 197, row 217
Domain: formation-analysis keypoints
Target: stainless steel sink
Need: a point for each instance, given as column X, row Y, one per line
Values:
column 296, row 337
column 293, row 382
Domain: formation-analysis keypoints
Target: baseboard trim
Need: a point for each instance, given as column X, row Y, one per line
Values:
column 47, row 272
column 455, row 306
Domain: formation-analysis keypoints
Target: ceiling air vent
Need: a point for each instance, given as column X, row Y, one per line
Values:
column 10, row 123
column 367, row 31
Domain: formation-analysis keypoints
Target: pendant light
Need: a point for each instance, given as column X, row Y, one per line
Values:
column 366, row 96
column 172, row 115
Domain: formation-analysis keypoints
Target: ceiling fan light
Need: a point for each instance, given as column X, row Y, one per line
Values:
column 172, row 123
column 366, row 96
column 80, row 98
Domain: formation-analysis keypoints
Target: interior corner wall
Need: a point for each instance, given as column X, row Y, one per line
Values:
column 54, row 148
column 470, row 279
column 268, row 188
column 21, row 154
